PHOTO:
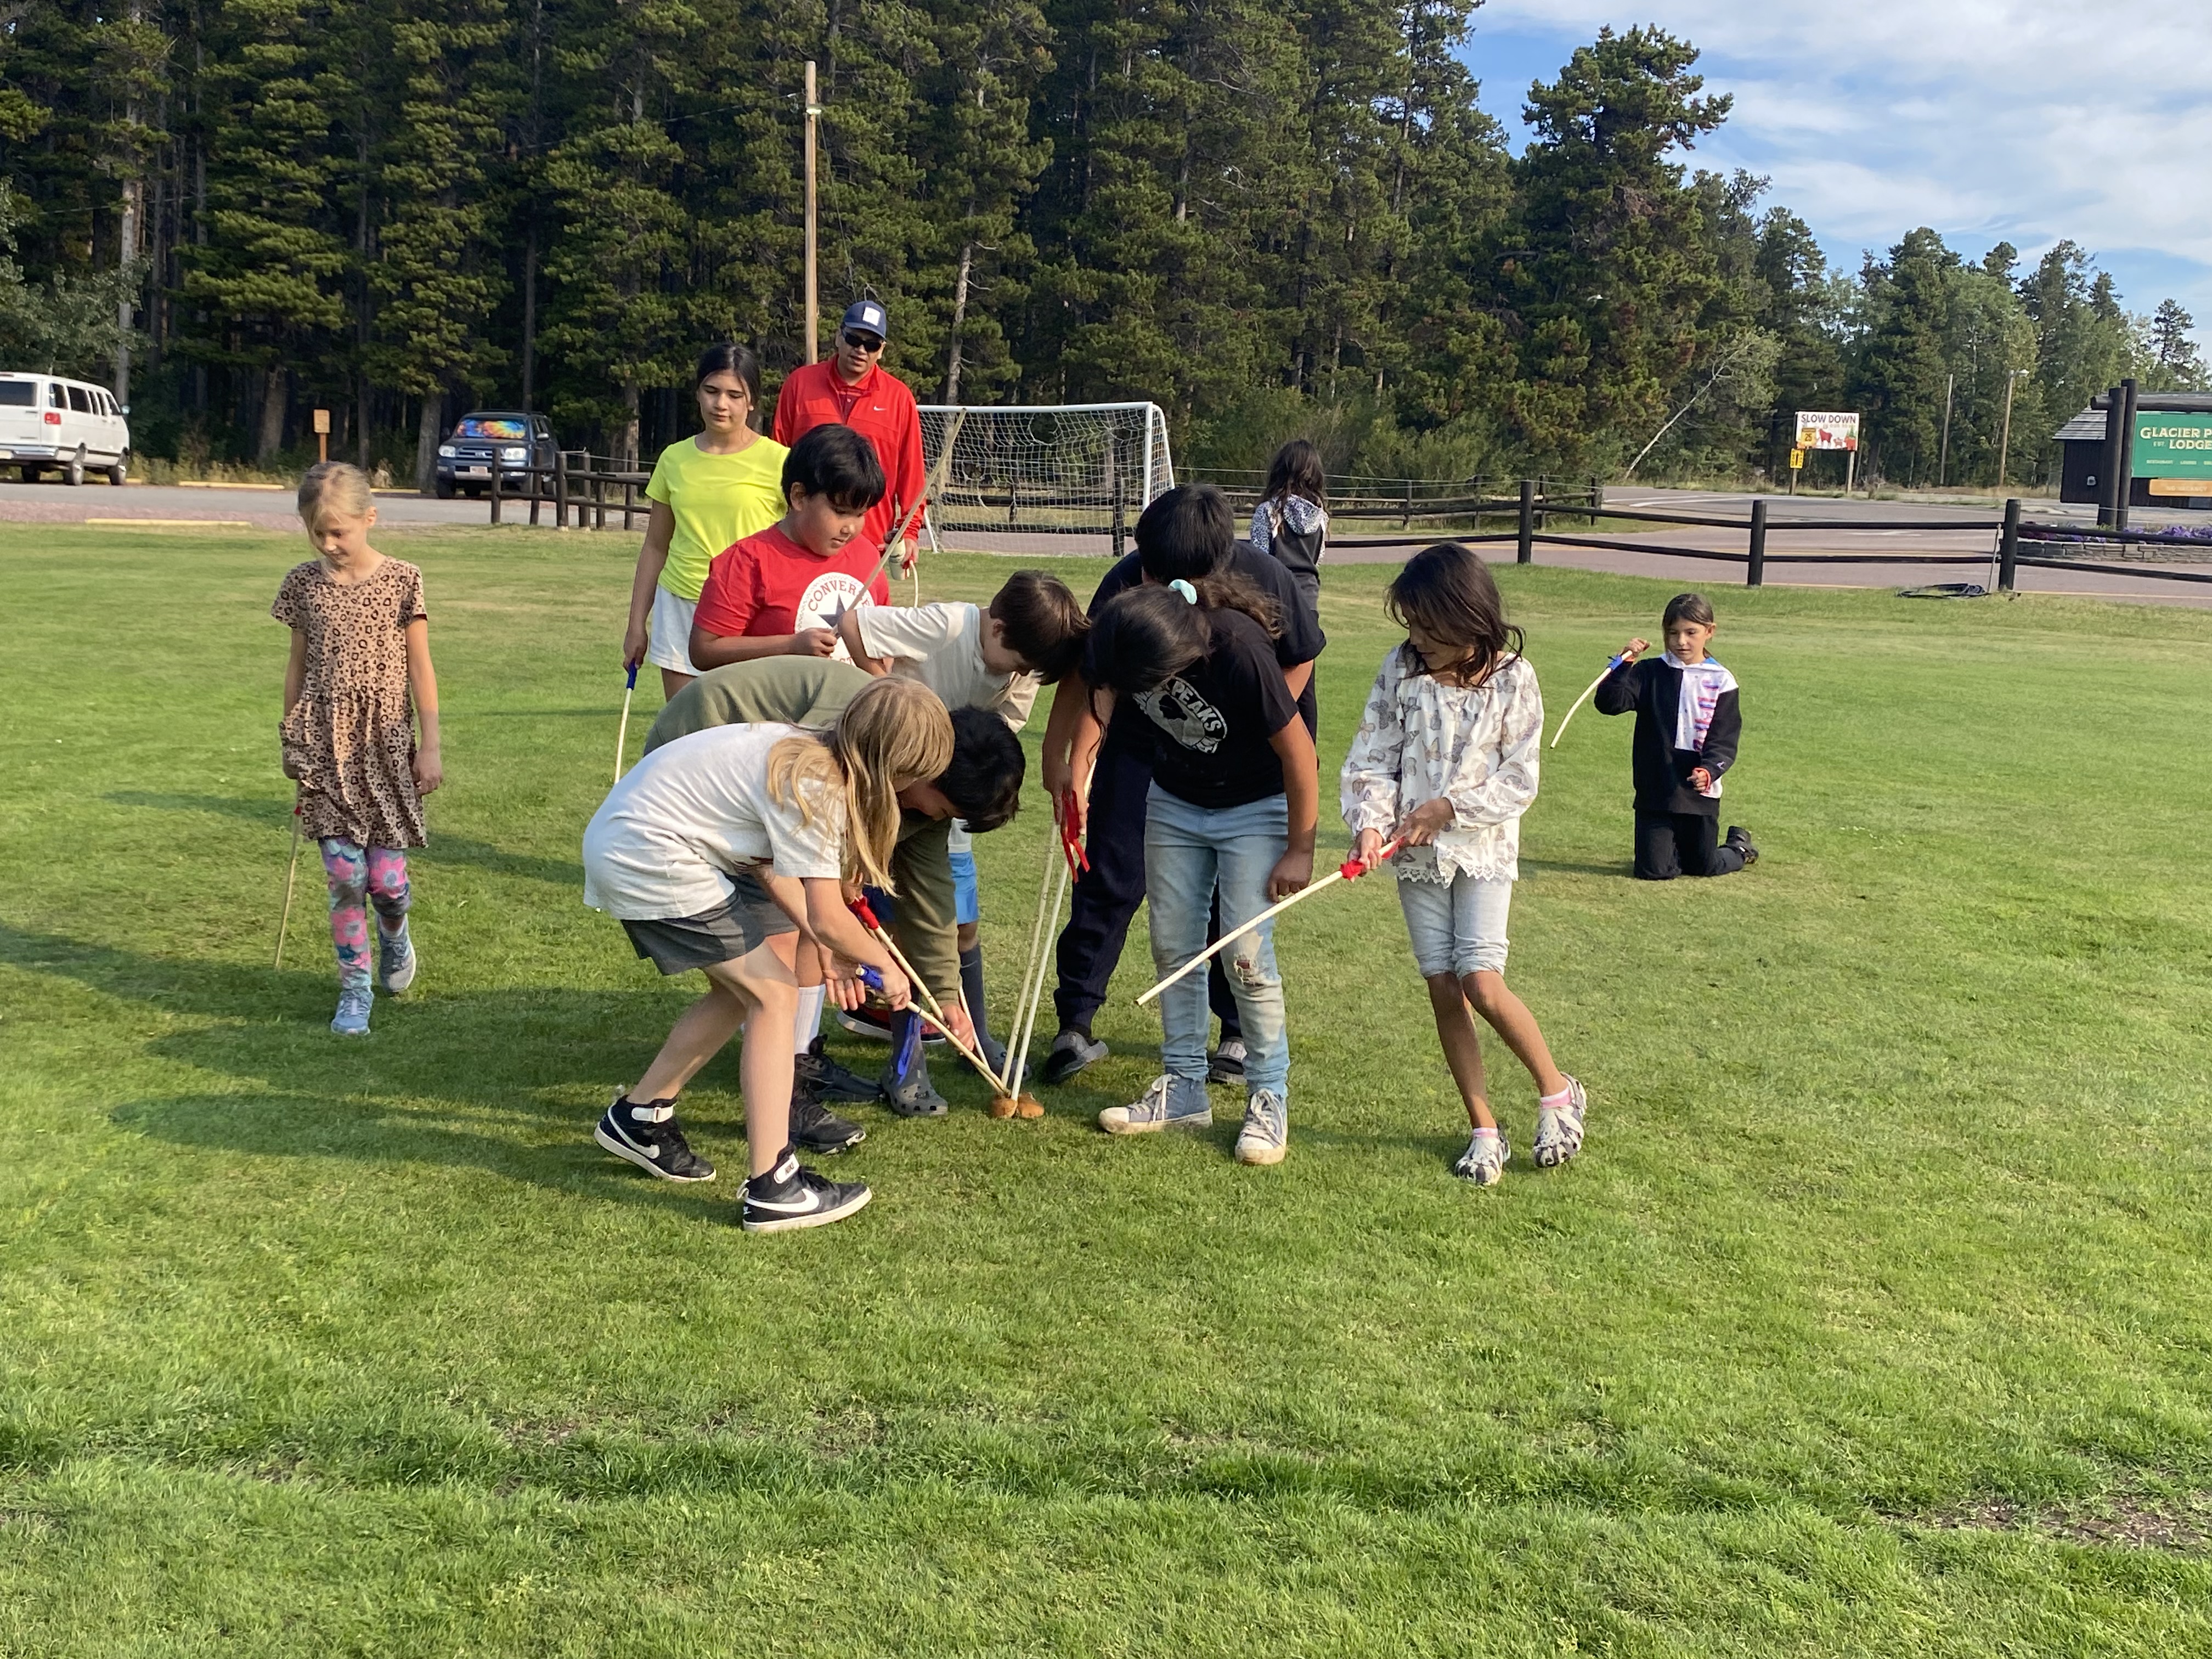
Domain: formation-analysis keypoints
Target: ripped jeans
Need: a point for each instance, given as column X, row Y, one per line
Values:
column 360, row 877
column 1188, row 852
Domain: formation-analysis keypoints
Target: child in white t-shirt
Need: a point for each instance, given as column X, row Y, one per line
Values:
column 715, row 852
column 975, row 657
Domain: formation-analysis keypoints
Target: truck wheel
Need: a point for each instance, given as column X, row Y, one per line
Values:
column 444, row 489
column 73, row 470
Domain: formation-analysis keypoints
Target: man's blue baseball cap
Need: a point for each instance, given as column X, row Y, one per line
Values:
column 868, row 317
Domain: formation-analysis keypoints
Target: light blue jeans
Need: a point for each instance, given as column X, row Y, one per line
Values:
column 1189, row 852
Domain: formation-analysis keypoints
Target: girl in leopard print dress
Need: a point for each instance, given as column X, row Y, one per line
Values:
column 358, row 681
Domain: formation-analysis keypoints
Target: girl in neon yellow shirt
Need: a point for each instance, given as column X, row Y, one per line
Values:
column 709, row 492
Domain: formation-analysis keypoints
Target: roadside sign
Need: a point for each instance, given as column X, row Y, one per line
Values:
column 1796, row 460
column 1827, row 430
column 2176, row 446
column 323, row 421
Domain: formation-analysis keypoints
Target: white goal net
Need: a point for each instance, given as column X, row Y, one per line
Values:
column 1075, row 469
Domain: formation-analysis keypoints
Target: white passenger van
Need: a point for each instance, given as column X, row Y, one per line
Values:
column 69, row 427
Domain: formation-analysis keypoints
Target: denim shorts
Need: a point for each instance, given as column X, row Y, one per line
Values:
column 1458, row 929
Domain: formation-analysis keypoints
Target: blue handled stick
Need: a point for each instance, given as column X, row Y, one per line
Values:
column 1584, row 698
column 874, row 980
column 622, row 732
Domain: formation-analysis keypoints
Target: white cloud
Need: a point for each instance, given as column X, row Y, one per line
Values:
column 2027, row 120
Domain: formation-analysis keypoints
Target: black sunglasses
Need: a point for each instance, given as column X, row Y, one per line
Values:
column 868, row 342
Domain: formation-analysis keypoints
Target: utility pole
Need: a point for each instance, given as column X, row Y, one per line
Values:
column 1943, row 461
column 127, row 243
column 813, row 310
column 2004, row 441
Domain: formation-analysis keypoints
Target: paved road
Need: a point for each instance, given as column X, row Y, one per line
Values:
column 55, row 503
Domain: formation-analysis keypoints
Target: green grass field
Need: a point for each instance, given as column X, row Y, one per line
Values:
column 1873, row 1319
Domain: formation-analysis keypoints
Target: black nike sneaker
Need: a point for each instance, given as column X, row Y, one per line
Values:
column 825, row 1080
column 1739, row 838
column 658, row 1147
column 815, row 1128
column 791, row 1196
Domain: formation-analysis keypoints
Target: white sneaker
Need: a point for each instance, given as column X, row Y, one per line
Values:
column 1560, row 1129
column 1266, row 1136
column 1484, row 1161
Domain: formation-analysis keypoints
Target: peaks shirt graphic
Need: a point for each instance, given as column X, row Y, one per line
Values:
column 1178, row 710
column 768, row 584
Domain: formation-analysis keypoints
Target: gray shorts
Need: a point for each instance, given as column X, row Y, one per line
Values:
column 739, row 926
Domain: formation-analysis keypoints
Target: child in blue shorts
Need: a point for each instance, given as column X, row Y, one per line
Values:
column 974, row 657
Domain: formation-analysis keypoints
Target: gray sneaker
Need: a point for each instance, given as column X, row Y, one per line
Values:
column 1484, row 1161
column 915, row 1097
column 1171, row 1102
column 352, row 1016
column 1226, row 1063
column 1070, row 1052
column 395, row 961
column 1266, row 1136
column 1559, row 1130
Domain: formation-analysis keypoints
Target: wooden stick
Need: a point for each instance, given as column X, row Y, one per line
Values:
column 1350, row 869
column 290, row 870
column 1014, row 1038
column 935, row 1014
column 1582, row 699
column 929, row 486
column 1018, row 1058
column 622, row 732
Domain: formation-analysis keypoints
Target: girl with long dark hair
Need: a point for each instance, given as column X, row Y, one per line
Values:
column 1231, row 810
column 1446, row 758
column 708, row 492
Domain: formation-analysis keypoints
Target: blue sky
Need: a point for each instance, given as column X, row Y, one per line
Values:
column 2016, row 120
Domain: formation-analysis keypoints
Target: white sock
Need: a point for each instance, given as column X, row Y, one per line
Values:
column 808, row 1022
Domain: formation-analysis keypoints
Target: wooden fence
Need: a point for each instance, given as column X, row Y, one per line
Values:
column 594, row 487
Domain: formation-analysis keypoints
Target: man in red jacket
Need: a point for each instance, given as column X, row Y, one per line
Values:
column 850, row 386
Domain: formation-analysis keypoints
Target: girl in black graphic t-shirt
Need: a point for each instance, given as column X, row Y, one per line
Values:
column 1233, row 804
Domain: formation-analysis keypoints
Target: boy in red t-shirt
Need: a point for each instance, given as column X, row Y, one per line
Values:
column 784, row 591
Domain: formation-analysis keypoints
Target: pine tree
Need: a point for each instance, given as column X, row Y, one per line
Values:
column 982, row 163
column 2176, row 365
column 1612, row 274
column 1799, row 309
column 618, row 257
column 1901, row 369
column 271, row 269
column 435, row 276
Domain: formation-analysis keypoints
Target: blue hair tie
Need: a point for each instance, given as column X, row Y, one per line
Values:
column 1189, row 593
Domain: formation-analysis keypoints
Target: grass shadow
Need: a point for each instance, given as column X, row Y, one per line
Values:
column 391, row 1098
column 1626, row 869
column 444, row 848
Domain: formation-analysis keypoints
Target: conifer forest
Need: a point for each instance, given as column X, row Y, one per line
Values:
column 1268, row 220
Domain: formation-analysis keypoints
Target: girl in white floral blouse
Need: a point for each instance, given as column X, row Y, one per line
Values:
column 1446, row 759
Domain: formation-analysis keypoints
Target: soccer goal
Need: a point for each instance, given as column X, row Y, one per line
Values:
column 1063, row 468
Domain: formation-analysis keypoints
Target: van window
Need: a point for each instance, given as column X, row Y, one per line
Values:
column 107, row 403
column 78, row 401
column 54, row 399
column 19, row 394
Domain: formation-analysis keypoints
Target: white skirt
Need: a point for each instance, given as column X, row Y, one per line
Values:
column 669, row 632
